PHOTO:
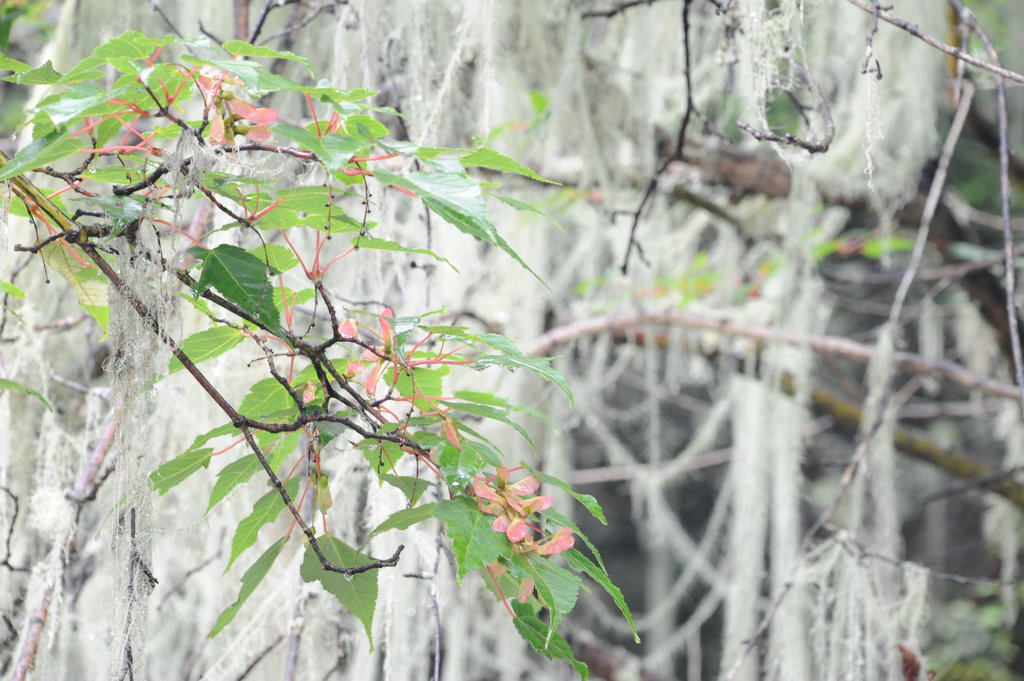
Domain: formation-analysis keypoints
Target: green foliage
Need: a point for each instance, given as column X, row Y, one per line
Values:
column 357, row 593
column 7, row 384
column 379, row 382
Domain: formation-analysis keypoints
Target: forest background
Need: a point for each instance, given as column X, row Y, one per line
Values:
column 775, row 280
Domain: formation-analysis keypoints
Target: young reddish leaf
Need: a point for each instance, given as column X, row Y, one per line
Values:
column 348, row 329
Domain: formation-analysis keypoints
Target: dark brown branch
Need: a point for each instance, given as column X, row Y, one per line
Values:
column 237, row 419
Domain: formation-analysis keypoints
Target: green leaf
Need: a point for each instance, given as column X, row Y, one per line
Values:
column 549, row 644
column 421, row 382
column 358, row 593
column 400, row 520
column 458, row 201
column 180, row 467
column 557, row 587
column 489, row 412
column 7, row 384
column 514, row 359
column 524, row 207
column 279, row 258
column 82, row 100
column 240, row 48
column 579, row 562
column 250, row 580
column 240, row 277
column 39, row 153
column 205, row 345
column 266, row 396
column 335, row 151
column 474, row 543
column 264, row 511
column 458, row 466
column 192, row 459
column 42, row 75
column 231, row 476
column 589, row 502
column 10, row 289
column 412, row 487
column 494, row 160
column 376, row 244
column 10, row 64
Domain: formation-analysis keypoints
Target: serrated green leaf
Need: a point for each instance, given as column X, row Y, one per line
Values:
column 358, row 593
column 514, row 359
column 489, row 412
column 474, row 543
column 39, row 153
column 205, row 345
column 400, row 520
column 589, row 502
column 250, row 580
column 421, row 382
column 42, row 75
column 264, row 511
column 550, row 645
column 557, row 587
column 458, row 201
column 375, row 244
column 495, row 160
column 412, row 487
column 458, row 466
column 275, row 447
column 577, row 561
column 7, row 384
column 240, row 48
column 192, row 459
column 560, row 520
column 82, row 100
column 266, row 396
column 231, row 476
column 180, row 467
column 240, row 277
column 279, row 258
column 11, row 64
column 335, row 151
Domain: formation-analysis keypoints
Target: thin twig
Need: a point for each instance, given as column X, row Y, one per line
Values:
column 813, row 146
column 955, row 52
column 1004, row 192
column 677, row 155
